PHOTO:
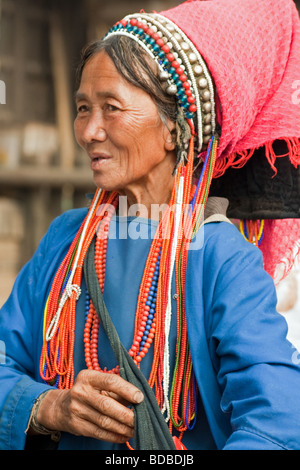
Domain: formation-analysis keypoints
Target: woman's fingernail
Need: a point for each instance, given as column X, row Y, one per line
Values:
column 138, row 397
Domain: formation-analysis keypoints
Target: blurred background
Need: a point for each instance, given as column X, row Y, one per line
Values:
column 42, row 170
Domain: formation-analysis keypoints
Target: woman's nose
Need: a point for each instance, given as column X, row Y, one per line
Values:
column 94, row 129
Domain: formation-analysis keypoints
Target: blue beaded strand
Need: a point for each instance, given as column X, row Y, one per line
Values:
column 151, row 302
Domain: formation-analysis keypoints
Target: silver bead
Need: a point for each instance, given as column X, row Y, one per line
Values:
column 205, row 95
column 202, row 83
column 192, row 57
column 198, row 70
column 207, row 118
column 164, row 75
column 172, row 90
column 206, row 139
column 206, row 107
column 207, row 130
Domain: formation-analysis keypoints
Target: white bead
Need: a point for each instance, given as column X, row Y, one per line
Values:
column 170, row 27
column 185, row 46
column 154, row 28
column 192, row 57
column 198, row 70
column 177, row 37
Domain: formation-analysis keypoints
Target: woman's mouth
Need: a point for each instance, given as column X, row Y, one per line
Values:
column 98, row 159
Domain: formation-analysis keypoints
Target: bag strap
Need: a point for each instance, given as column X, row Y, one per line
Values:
column 151, row 430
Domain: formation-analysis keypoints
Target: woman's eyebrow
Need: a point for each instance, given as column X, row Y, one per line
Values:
column 100, row 94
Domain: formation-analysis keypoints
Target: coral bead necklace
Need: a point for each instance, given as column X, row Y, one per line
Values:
column 176, row 396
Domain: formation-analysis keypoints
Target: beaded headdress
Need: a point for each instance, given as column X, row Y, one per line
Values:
column 180, row 65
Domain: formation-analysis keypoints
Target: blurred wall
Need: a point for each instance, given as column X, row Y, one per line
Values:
column 42, row 170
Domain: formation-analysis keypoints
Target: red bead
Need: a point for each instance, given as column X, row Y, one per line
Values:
column 175, row 64
column 170, row 57
column 183, row 78
column 193, row 108
column 155, row 36
column 191, row 99
column 166, row 48
column 133, row 21
column 186, row 85
column 179, row 71
column 188, row 92
column 160, row 42
column 123, row 22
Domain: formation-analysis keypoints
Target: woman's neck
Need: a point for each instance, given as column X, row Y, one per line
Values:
column 148, row 198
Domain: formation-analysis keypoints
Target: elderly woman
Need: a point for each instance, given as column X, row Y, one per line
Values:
column 147, row 321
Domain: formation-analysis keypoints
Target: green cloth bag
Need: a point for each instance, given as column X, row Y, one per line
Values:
column 151, row 430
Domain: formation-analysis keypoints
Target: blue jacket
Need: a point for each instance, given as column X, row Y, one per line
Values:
column 248, row 377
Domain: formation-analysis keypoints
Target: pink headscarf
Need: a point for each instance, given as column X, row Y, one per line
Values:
column 252, row 49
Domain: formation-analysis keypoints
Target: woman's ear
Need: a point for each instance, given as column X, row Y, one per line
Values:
column 170, row 136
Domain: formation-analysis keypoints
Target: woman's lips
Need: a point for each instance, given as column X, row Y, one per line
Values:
column 98, row 159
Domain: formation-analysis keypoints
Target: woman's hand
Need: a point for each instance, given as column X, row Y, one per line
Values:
column 96, row 406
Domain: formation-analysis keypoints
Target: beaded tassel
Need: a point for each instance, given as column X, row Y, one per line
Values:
column 252, row 231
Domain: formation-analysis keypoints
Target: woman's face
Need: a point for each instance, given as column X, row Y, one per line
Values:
column 119, row 126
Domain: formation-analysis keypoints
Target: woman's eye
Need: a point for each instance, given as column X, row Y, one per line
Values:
column 111, row 107
column 82, row 109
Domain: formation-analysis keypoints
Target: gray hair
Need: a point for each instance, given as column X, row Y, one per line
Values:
column 132, row 63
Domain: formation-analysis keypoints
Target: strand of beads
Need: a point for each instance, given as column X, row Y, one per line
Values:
column 92, row 324
column 147, row 324
column 252, row 231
